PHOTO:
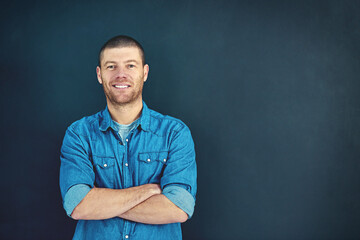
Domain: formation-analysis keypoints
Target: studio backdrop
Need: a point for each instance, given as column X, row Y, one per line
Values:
column 269, row 89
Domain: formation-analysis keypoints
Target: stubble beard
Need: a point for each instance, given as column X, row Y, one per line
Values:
column 121, row 100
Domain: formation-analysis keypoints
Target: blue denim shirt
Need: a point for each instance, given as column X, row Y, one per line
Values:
column 160, row 150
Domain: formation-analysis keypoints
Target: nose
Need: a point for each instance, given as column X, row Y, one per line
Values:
column 121, row 73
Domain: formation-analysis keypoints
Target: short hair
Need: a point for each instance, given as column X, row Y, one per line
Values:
column 122, row 41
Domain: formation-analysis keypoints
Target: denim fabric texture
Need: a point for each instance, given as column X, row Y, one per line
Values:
column 177, row 194
column 159, row 150
column 124, row 130
column 74, row 196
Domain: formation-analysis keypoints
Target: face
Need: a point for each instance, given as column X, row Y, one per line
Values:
column 122, row 75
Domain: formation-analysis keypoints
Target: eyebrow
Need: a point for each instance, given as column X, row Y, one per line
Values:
column 107, row 62
column 127, row 61
column 132, row 60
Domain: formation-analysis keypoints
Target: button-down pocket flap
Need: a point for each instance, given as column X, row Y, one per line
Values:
column 150, row 157
column 104, row 162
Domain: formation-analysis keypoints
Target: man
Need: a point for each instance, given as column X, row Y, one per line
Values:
column 127, row 172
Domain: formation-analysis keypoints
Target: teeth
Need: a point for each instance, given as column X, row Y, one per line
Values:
column 121, row 86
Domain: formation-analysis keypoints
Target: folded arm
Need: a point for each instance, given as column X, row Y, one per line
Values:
column 157, row 209
column 103, row 203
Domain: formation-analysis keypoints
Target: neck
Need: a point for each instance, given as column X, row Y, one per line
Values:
column 126, row 113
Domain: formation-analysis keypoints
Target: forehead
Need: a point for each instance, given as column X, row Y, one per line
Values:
column 121, row 54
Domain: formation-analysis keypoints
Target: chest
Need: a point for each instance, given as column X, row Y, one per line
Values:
column 138, row 160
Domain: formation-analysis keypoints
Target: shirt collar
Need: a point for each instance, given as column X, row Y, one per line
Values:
column 106, row 120
column 144, row 122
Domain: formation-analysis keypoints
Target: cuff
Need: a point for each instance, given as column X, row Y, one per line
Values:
column 181, row 198
column 74, row 196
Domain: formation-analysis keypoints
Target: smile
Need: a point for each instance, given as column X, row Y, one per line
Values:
column 121, row 86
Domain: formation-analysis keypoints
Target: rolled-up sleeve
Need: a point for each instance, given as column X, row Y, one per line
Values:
column 179, row 178
column 181, row 198
column 76, row 167
column 74, row 196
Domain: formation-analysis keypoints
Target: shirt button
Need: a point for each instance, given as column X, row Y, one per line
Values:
column 127, row 140
column 126, row 236
column 126, row 164
column 105, row 165
column 164, row 159
column 148, row 160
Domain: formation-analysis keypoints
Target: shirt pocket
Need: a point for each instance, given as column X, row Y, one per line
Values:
column 151, row 166
column 104, row 171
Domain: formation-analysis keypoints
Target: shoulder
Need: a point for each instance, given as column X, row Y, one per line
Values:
column 86, row 124
column 165, row 123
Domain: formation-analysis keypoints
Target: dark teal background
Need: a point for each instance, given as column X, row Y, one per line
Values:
column 270, row 90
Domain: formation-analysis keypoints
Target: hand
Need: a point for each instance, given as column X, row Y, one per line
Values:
column 155, row 188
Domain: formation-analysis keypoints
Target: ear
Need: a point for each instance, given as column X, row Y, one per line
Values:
column 146, row 72
column 98, row 74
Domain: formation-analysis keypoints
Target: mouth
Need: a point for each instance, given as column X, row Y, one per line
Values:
column 121, row 86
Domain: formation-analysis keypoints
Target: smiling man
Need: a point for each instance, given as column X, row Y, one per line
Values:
column 127, row 172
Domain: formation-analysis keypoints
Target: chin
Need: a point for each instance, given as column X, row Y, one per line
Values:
column 122, row 100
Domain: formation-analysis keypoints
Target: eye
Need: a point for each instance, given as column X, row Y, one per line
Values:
column 111, row 67
column 131, row 66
